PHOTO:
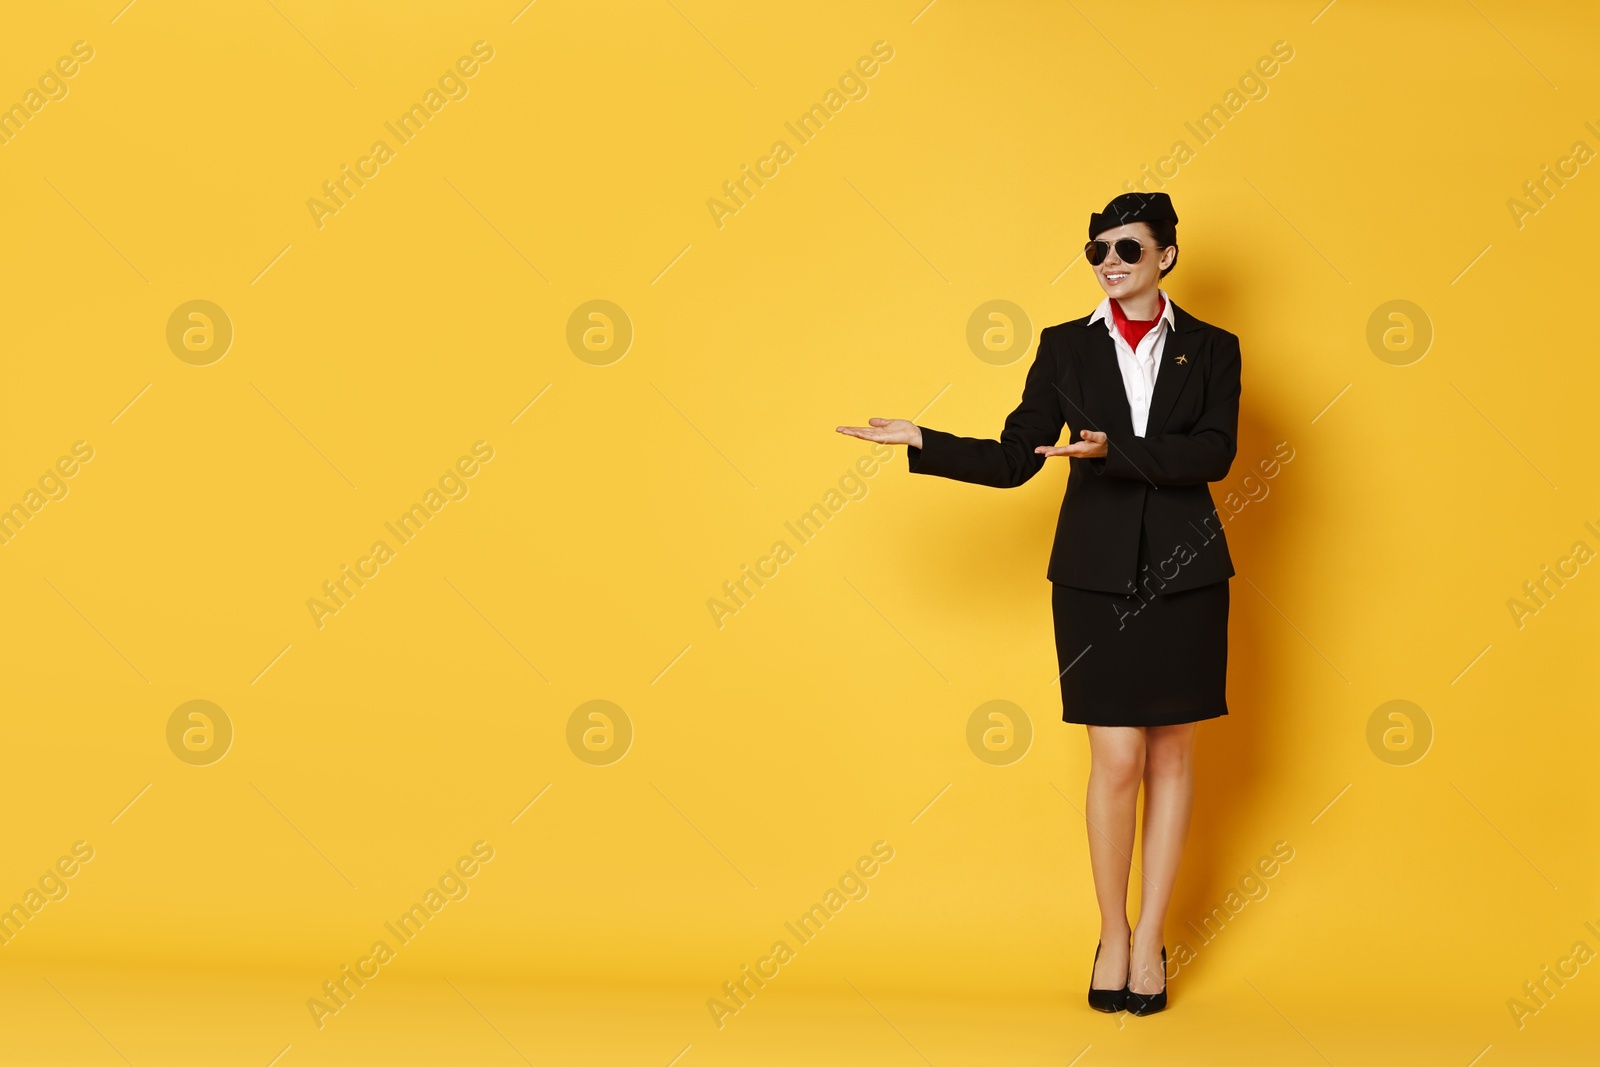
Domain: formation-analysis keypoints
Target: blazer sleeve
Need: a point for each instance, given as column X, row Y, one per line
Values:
column 1006, row 463
column 1202, row 455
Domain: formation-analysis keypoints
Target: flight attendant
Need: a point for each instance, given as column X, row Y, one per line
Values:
column 1139, row 567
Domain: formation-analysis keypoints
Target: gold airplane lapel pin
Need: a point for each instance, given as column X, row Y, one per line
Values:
column 1182, row 358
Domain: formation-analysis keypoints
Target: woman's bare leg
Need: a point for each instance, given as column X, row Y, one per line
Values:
column 1168, row 801
column 1116, row 765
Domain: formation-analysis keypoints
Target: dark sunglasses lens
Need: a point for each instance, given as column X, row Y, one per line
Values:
column 1129, row 250
column 1096, row 252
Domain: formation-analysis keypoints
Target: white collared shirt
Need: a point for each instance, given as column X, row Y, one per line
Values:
column 1139, row 366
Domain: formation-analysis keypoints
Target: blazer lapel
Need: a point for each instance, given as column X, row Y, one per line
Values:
column 1178, row 366
column 1107, row 378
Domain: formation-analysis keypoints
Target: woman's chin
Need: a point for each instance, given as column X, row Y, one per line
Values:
column 1125, row 293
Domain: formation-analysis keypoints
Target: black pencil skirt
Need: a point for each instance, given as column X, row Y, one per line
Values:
column 1155, row 661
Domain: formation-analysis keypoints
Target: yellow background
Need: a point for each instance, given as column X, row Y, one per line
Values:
column 831, row 711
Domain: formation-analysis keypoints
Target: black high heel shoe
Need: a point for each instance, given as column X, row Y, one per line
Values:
column 1150, row 1003
column 1110, row 1000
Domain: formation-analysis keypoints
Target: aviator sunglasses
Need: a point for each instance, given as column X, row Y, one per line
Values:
column 1128, row 250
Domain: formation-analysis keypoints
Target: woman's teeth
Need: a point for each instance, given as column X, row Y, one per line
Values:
column 1112, row 278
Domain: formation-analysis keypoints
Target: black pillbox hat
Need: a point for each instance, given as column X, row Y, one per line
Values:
column 1132, row 207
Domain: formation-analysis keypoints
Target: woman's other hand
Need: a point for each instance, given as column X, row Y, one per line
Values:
column 888, row 432
column 1093, row 446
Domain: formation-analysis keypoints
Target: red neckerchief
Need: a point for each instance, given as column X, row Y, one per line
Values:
column 1133, row 330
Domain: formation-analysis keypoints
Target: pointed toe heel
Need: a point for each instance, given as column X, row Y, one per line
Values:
column 1150, row 1003
column 1107, row 1000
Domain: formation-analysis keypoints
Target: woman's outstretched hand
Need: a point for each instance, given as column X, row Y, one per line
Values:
column 1093, row 446
column 887, row 431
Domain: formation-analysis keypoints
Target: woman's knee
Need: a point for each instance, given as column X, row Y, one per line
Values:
column 1169, row 751
column 1118, row 761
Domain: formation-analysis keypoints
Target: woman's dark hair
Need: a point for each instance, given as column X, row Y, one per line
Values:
column 1165, row 234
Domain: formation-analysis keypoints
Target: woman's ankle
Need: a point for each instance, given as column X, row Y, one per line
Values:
column 1147, row 935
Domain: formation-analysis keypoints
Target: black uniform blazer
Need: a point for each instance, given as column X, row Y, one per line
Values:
column 1153, row 485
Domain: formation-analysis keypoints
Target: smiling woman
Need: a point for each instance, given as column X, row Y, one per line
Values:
column 1154, row 394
